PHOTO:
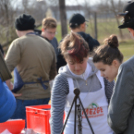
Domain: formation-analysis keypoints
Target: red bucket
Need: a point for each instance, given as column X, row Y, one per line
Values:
column 14, row 126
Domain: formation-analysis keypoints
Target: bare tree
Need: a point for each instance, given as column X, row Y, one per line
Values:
column 7, row 12
column 88, row 13
column 63, row 18
column 108, row 11
column 35, row 8
column 115, row 11
column 25, row 5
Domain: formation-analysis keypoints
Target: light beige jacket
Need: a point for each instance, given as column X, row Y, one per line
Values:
column 34, row 57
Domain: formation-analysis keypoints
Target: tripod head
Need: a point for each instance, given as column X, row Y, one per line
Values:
column 76, row 91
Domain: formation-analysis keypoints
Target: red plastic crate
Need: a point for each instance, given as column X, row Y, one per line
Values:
column 38, row 118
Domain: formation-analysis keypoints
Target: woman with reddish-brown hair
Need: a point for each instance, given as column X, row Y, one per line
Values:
column 95, row 91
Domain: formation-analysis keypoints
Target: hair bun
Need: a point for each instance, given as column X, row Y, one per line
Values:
column 113, row 41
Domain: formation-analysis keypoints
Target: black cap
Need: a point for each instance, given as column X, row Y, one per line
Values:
column 128, row 14
column 25, row 22
column 76, row 20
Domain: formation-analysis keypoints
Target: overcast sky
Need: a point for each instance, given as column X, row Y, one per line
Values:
column 91, row 2
column 80, row 2
column 73, row 2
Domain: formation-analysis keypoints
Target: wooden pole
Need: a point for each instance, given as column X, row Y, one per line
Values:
column 63, row 18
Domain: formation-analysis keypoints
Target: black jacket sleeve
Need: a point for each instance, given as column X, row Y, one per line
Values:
column 93, row 43
column 60, row 60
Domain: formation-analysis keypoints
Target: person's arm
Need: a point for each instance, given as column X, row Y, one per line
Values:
column 108, row 89
column 57, row 45
column 53, row 70
column 7, row 102
column 122, row 100
column 12, row 59
column 9, row 84
column 93, row 43
column 13, row 55
column 58, row 100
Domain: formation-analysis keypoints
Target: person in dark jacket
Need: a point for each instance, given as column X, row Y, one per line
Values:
column 121, row 108
column 77, row 24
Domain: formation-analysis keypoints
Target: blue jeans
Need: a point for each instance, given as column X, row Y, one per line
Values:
column 20, row 112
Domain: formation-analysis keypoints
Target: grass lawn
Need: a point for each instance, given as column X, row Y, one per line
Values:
column 127, row 48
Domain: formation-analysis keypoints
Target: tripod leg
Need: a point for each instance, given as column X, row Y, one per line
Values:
column 68, row 115
column 79, row 119
column 75, row 117
column 86, row 116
